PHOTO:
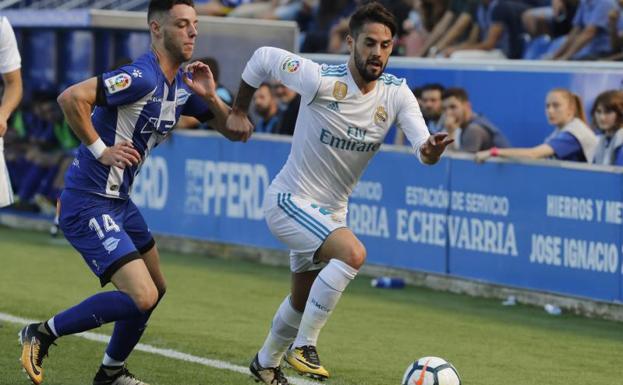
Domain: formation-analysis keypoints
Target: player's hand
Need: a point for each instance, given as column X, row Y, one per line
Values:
column 435, row 146
column 120, row 155
column 201, row 81
column 3, row 125
column 482, row 156
column 238, row 126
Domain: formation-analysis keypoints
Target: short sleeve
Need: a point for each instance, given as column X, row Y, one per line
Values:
column 127, row 84
column 565, row 145
column 198, row 108
column 409, row 118
column 10, row 60
column 295, row 72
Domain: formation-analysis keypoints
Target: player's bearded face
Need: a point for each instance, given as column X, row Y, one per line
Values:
column 371, row 51
column 370, row 68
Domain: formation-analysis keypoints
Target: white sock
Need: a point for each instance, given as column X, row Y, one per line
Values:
column 52, row 327
column 108, row 361
column 282, row 332
column 323, row 296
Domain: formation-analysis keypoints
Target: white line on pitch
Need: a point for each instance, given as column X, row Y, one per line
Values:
column 169, row 353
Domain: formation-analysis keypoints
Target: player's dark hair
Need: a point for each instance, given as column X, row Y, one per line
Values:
column 371, row 12
column 611, row 101
column 159, row 6
column 433, row 87
column 455, row 92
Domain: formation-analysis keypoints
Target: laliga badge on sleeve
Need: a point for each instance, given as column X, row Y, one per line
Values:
column 118, row 82
column 290, row 65
column 340, row 90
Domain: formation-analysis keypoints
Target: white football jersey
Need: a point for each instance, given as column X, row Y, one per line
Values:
column 338, row 129
column 10, row 60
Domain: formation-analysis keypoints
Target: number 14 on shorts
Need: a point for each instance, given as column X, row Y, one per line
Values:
column 107, row 221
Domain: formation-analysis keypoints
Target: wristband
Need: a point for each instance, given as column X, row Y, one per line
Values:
column 97, row 148
column 494, row 151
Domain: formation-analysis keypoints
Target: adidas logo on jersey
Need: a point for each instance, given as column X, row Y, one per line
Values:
column 334, row 106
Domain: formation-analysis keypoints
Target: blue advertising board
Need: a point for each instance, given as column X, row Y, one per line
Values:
column 535, row 226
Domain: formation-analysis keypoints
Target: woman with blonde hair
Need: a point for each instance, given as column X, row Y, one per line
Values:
column 607, row 116
column 572, row 139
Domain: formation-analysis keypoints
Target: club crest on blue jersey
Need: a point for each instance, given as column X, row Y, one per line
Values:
column 290, row 65
column 118, row 83
column 181, row 96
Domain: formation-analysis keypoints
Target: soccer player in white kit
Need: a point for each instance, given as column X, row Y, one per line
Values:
column 10, row 64
column 346, row 111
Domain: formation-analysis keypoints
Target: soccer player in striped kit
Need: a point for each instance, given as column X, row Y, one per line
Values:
column 346, row 111
column 134, row 108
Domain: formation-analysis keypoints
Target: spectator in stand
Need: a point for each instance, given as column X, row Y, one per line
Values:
column 432, row 109
column 607, row 116
column 554, row 20
column 589, row 37
column 323, row 18
column 615, row 30
column 471, row 132
column 421, row 23
column 265, row 104
column 289, row 102
column 218, row 7
column 455, row 24
column 269, row 9
column 501, row 32
column 572, row 139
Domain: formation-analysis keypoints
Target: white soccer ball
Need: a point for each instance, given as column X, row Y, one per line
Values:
column 431, row 371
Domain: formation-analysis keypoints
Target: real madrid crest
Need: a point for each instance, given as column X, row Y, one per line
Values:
column 340, row 90
column 380, row 115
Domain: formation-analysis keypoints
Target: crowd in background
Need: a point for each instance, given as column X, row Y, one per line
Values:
column 40, row 145
column 493, row 29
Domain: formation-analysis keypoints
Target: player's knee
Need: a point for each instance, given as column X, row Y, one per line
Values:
column 356, row 256
column 147, row 298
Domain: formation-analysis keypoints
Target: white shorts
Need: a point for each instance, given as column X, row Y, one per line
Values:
column 302, row 225
column 6, row 192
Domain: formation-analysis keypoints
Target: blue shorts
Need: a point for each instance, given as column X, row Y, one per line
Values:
column 107, row 232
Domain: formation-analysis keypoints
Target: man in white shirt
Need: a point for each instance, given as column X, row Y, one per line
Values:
column 345, row 113
column 10, row 63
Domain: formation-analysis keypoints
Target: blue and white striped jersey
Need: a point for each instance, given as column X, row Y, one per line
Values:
column 142, row 107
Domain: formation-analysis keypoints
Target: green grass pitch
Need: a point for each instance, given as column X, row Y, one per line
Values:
column 222, row 310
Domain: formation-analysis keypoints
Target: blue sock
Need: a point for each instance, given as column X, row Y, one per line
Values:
column 95, row 311
column 126, row 335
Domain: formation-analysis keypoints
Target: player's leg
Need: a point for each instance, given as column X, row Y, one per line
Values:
column 344, row 255
column 93, row 228
column 285, row 324
column 128, row 332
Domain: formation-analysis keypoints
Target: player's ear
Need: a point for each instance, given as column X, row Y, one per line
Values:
column 350, row 42
column 154, row 28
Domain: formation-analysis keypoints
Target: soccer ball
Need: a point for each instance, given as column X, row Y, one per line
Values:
column 431, row 371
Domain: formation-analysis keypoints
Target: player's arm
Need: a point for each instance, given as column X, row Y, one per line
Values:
column 202, row 83
column 297, row 73
column 537, row 152
column 10, row 99
column 77, row 103
column 428, row 148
